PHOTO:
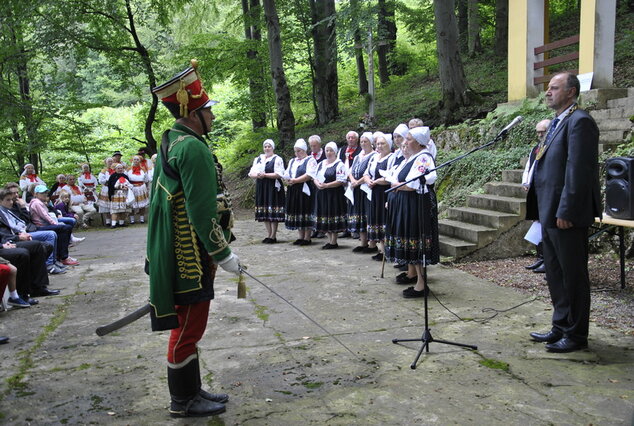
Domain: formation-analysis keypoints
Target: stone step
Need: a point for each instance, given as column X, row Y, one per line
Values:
column 611, row 136
column 514, row 176
column 505, row 189
column 489, row 218
column 477, row 234
column 621, row 102
column 454, row 247
column 614, row 124
column 497, row 203
column 600, row 97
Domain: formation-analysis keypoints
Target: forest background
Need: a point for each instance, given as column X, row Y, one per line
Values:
column 75, row 77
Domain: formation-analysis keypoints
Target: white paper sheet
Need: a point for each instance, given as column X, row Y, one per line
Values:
column 534, row 234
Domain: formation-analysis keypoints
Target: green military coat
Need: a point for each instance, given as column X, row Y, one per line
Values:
column 182, row 217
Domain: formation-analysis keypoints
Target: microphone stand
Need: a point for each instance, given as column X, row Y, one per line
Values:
column 426, row 337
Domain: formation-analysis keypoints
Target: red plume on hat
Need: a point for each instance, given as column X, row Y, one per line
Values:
column 184, row 93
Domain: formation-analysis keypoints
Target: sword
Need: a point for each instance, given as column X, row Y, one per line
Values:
column 120, row 323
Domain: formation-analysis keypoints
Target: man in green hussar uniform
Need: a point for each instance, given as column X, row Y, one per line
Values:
column 188, row 233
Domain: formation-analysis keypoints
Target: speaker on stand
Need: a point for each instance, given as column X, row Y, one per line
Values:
column 619, row 187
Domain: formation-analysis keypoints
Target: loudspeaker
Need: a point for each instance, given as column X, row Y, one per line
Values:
column 619, row 187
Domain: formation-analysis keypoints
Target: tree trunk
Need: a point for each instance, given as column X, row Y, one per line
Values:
column 463, row 24
column 475, row 46
column 501, row 27
column 325, row 60
column 386, row 39
column 285, row 117
column 149, row 71
column 452, row 78
column 252, row 33
column 358, row 49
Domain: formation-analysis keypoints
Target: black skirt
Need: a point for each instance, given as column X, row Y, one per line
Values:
column 377, row 213
column 357, row 217
column 408, row 214
column 269, row 202
column 331, row 210
column 300, row 207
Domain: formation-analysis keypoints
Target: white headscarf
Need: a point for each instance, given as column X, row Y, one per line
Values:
column 421, row 134
column 270, row 142
column 369, row 136
column 401, row 129
column 388, row 138
column 301, row 143
column 332, row 146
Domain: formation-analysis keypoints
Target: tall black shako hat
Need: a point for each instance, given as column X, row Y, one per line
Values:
column 184, row 93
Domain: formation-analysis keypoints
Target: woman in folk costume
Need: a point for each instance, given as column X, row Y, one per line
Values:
column 29, row 178
column 301, row 192
column 375, row 202
column 398, row 137
column 357, row 193
column 267, row 170
column 88, row 183
column 138, row 178
column 189, row 229
column 84, row 209
column 329, row 180
column 412, row 217
column 118, row 187
column 103, row 202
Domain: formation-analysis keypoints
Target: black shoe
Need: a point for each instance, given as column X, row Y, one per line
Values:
column 329, row 246
column 267, row 240
column 401, row 275
column 298, row 242
column 537, row 264
column 45, row 292
column 550, row 337
column 398, row 265
column 306, row 243
column 378, row 257
column 541, row 269
column 272, row 240
column 125, row 225
column 566, row 344
column 371, row 249
column 196, row 407
column 410, row 293
column 215, row 397
column 406, row 280
column 359, row 249
column 3, row 340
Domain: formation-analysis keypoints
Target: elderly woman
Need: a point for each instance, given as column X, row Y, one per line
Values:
column 29, row 179
column 357, row 194
column 118, row 187
column 88, row 183
column 79, row 204
column 301, row 193
column 329, row 180
column 375, row 202
column 138, row 178
column 398, row 137
column 60, row 185
column 267, row 170
column 412, row 218
column 103, row 202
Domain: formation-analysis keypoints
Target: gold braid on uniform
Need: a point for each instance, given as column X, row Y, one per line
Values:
column 217, row 237
column 185, row 241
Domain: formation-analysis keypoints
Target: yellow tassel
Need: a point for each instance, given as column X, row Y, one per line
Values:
column 182, row 96
column 242, row 287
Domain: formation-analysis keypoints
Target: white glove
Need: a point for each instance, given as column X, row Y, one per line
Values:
column 230, row 264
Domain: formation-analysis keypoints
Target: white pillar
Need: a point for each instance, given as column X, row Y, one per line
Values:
column 596, row 41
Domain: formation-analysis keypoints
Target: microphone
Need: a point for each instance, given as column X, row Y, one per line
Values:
column 517, row 120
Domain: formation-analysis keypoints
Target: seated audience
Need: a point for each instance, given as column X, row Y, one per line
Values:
column 79, row 204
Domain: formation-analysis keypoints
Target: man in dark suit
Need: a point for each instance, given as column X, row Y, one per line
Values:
column 564, row 196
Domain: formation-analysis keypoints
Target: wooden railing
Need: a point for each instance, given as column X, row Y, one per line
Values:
column 557, row 59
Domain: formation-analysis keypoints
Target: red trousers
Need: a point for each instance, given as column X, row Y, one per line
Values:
column 192, row 320
column 5, row 273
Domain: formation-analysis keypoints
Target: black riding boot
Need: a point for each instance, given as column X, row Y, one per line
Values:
column 185, row 391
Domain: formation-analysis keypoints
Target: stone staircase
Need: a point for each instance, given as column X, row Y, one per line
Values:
column 492, row 224
column 613, row 116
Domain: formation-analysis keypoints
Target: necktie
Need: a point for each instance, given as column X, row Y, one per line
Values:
column 551, row 131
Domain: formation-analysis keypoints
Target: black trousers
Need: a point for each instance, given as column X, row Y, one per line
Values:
column 566, row 260
column 30, row 259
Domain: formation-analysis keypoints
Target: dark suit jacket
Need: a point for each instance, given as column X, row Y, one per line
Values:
column 342, row 153
column 566, row 179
